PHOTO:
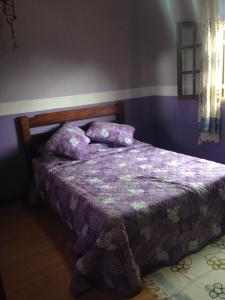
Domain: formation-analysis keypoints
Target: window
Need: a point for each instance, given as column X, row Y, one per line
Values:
column 188, row 59
column 223, row 18
column 223, row 79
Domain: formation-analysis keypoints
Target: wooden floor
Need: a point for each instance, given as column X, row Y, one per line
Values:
column 36, row 262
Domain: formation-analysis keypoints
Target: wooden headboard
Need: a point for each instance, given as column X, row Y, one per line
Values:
column 26, row 123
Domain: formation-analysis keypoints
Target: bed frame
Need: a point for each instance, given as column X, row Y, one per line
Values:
column 26, row 123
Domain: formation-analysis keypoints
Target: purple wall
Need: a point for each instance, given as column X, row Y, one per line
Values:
column 173, row 126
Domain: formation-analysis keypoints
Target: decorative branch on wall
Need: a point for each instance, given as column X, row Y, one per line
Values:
column 8, row 8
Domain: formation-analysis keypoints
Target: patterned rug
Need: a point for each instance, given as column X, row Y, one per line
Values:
column 200, row 276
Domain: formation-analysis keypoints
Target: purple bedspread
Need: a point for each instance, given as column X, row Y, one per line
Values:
column 133, row 208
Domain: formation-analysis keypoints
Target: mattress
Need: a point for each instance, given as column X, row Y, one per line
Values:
column 133, row 209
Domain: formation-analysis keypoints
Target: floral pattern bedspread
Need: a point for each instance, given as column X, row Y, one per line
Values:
column 133, row 209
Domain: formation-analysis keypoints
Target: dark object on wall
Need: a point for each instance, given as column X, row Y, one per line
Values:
column 8, row 8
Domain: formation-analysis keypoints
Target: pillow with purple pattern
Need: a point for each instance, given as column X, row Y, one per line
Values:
column 119, row 134
column 69, row 140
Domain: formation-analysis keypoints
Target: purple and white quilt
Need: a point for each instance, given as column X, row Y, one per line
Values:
column 133, row 209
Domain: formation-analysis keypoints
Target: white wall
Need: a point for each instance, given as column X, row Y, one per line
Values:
column 65, row 48
column 166, row 14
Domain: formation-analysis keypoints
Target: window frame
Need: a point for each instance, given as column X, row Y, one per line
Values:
column 194, row 71
column 223, row 71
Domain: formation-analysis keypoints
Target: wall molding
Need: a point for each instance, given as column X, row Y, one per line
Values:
column 42, row 104
column 164, row 90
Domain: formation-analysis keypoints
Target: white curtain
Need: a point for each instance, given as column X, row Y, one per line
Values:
column 211, row 72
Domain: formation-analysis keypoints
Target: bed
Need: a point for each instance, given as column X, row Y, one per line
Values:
column 132, row 208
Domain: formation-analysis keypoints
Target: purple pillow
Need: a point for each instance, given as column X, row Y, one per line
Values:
column 118, row 134
column 70, row 141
